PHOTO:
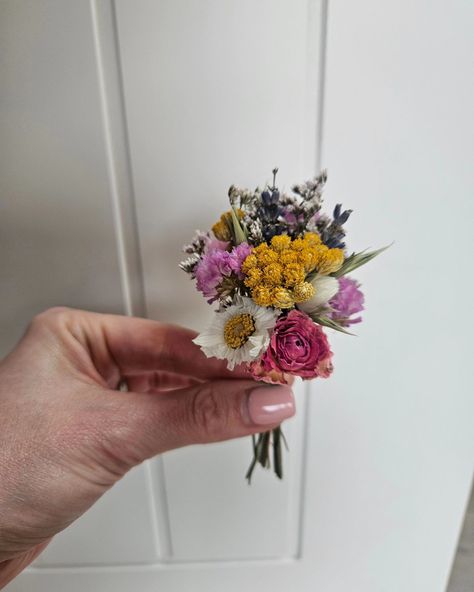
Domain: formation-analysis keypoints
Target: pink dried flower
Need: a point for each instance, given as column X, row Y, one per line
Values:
column 297, row 346
column 215, row 245
column 216, row 264
column 348, row 301
column 237, row 256
column 271, row 376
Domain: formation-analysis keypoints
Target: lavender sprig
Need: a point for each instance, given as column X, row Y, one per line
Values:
column 331, row 230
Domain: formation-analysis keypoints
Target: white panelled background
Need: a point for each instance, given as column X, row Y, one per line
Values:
column 122, row 124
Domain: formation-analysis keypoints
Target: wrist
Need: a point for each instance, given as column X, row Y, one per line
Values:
column 10, row 568
column 21, row 524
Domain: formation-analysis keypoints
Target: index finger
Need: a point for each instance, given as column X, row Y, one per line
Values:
column 140, row 345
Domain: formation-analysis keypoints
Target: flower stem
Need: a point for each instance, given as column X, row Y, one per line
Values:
column 275, row 171
column 261, row 452
column 277, row 456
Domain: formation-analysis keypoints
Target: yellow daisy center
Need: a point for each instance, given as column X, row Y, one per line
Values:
column 238, row 329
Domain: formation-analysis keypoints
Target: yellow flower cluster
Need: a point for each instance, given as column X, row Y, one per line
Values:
column 276, row 273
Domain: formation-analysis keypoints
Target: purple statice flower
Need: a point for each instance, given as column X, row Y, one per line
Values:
column 348, row 301
column 215, row 245
column 201, row 244
column 296, row 220
column 237, row 256
column 215, row 265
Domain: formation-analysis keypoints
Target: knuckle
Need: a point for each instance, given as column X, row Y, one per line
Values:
column 208, row 413
column 57, row 310
column 117, row 449
column 51, row 315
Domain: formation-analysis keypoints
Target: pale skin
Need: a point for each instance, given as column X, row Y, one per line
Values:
column 67, row 435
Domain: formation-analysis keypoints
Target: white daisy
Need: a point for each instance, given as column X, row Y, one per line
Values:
column 325, row 287
column 240, row 333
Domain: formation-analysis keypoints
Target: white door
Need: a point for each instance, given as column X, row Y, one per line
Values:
column 122, row 124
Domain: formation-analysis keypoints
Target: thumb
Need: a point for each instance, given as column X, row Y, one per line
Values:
column 208, row 412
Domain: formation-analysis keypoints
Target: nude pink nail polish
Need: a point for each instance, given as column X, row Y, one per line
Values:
column 270, row 404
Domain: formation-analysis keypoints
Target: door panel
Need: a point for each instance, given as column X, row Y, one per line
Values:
column 57, row 239
column 225, row 106
column 118, row 530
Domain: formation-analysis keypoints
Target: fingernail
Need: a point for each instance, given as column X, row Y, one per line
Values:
column 270, row 404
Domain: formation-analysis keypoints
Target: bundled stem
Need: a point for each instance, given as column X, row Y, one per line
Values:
column 262, row 452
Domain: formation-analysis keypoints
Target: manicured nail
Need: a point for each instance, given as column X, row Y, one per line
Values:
column 270, row 404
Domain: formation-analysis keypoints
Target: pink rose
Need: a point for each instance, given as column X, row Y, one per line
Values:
column 297, row 346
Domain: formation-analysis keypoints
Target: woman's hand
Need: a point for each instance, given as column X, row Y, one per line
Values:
column 67, row 434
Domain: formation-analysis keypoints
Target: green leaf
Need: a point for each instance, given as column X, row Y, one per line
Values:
column 327, row 322
column 239, row 232
column 357, row 260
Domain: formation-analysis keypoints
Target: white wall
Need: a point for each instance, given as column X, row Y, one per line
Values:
column 399, row 144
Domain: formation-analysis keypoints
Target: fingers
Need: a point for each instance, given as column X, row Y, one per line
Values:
column 158, row 382
column 208, row 412
column 116, row 346
column 140, row 345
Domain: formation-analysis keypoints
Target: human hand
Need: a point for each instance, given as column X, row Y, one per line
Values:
column 67, row 434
